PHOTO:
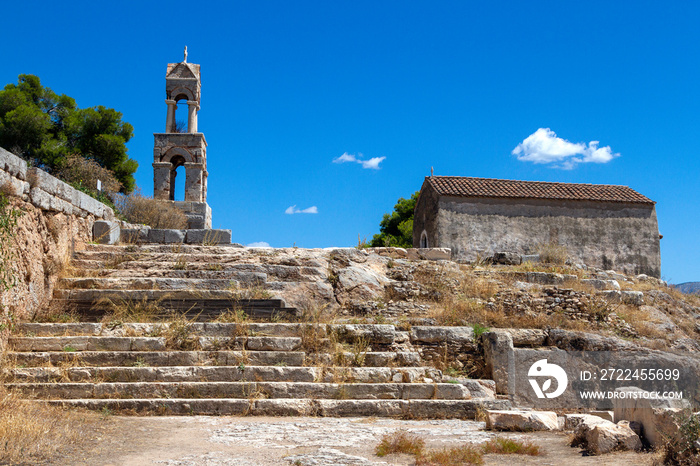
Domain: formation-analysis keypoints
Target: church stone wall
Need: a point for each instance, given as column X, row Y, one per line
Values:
column 609, row 235
column 425, row 217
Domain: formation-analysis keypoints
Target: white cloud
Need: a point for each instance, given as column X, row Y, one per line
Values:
column 372, row 163
column 259, row 244
column 293, row 210
column 543, row 146
column 345, row 158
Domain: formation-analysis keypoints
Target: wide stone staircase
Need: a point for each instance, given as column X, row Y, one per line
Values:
column 201, row 281
column 188, row 360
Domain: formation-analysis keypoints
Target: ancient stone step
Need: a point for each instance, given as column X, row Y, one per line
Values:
column 251, row 343
column 167, row 266
column 100, row 343
column 366, row 359
column 419, row 409
column 210, row 329
column 240, row 373
column 86, row 343
column 214, row 358
column 213, row 272
column 156, row 358
column 116, row 258
column 139, row 295
column 270, row 390
column 165, row 284
column 375, row 334
column 194, row 307
column 301, row 257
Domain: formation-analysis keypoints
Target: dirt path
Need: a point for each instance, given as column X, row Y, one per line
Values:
column 220, row 441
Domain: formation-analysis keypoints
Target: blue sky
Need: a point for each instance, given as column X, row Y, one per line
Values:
column 289, row 87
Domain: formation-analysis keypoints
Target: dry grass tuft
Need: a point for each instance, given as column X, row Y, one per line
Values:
column 400, row 441
column 464, row 455
column 313, row 339
column 155, row 213
column 548, row 268
column 473, row 286
column 552, row 253
column 180, row 335
column 314, row 312
column 467, row 312
column 255, row 291
column 506, row 446
column 33, row 432
column 234, row 315
column 641, row 322
column 131, row 310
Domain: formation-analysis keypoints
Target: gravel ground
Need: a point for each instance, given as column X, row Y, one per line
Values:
column 244, row 441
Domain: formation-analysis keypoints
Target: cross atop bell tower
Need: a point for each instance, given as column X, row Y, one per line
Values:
column 182, row 146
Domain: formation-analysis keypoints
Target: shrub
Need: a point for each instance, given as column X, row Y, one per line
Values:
column 479, row 330
column 682, row 448
column 155, row 213
column 78, row 170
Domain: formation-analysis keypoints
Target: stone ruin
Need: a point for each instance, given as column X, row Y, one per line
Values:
column 179, row 147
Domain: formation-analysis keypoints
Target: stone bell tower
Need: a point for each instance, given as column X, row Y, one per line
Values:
column 182, row 147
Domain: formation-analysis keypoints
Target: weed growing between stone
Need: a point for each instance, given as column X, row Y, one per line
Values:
column 131, row 310
column 234, row 315
column 180, row 335
column 249, row 292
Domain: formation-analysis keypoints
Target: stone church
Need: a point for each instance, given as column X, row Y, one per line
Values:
column 611, row 227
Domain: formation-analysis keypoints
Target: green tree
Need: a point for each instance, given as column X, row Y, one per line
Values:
column 44, row 128
column 396, row 229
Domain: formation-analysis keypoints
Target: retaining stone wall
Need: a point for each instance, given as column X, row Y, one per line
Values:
column 55, row 220
column 46, row 192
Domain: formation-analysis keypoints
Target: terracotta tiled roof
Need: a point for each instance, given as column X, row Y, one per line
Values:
column 462, row 186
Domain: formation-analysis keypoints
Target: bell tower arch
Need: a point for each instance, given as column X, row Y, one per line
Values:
column 182, row 145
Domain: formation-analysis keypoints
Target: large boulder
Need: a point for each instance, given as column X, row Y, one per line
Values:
column 499, row 358
column 106, row 232
column 607, row 437
column 658, row 416
column 599, row 436
column 599, row 284
column 506, row 258
column 521, row 420
column 451, row 335
column 359, row 283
